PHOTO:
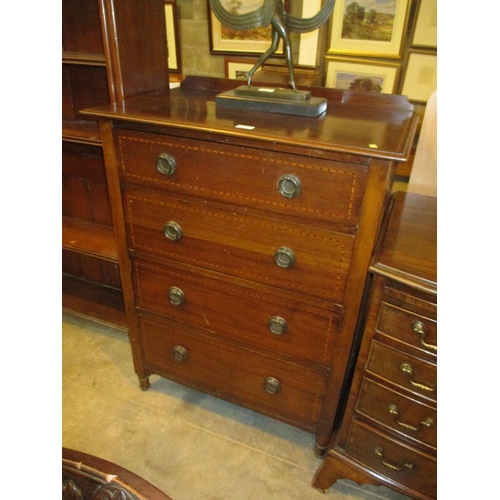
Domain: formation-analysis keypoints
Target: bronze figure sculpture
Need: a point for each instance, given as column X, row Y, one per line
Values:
column 273, row 12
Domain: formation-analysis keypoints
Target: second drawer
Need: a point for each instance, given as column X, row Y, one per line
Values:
column 299, row 258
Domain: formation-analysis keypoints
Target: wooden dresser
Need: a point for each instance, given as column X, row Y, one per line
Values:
column 247, row 237
column 389, row 429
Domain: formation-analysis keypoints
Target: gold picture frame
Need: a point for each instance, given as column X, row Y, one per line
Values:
column 361, row 74
column 420, row 79
column 374, row 28
column 173, row 43
column 425, row 34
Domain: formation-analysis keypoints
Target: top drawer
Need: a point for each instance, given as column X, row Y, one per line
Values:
column 292, row 185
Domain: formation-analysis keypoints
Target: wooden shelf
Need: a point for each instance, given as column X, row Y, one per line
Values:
column 84, row 131
column 93, row 301
column 83, row 58
column 95, row 240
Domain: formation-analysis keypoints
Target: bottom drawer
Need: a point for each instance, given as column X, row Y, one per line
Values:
column 393, row 459
column 279, row 389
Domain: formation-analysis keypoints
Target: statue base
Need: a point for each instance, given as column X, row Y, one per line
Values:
column 272, row 100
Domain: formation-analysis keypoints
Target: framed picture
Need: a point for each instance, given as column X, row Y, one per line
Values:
column 425, row 34
column 421, row 77
column 173, row 44
column 224, row 40
column 369, row 27
column 236, row 67
column 359, row 74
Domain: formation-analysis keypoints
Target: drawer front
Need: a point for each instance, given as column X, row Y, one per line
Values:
column 312, row 188
column 393, row 459
column 267, row 385
column 203, row 234
column 406, row 371
column 399, row 413
column 238, row 312
column 408, row 327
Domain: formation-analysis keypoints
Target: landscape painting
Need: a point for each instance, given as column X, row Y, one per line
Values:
column 369, row 27
column 369, row 20
column 361, row 75
column 229, row 41
column 243, row 7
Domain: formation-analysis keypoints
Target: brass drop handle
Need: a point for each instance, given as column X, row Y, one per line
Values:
column 180, row 353
column 277, row 325
column 284, row 257
column 408, row 370
column 398, row 468
column 272, row 385
column 394, row 410
column 419, row 328
column 176, row 296
column 166, row 164
column 289, row 186
column 172, row 231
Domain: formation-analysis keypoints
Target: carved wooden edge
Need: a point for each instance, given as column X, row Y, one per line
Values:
column 108, row 480
column 337, row 466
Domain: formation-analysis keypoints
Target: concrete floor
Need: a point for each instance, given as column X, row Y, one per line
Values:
column 186, row 443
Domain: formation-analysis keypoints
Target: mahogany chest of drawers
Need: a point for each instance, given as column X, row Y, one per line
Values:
column 389, row 430
column 246, row 239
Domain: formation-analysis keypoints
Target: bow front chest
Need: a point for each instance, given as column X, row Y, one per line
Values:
column 245, row 239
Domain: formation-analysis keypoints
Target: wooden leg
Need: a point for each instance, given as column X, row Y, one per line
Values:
column 144, row 383
column 320, row 451
column 337, row 467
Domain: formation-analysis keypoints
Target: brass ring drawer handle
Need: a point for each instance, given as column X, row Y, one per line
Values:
column 180, row 353
column 398, row 468
column 172, row 231
column 419, row 328
column 272, row 385
column 166, row 164
column 408, row 370
column 277, row 325
column 289, row 186
column 176, row 296
column 284, row 257
column 426, row 422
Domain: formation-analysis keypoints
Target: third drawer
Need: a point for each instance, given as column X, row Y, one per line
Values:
column 257, row 317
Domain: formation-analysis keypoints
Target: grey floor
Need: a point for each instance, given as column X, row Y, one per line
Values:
column 188, row 444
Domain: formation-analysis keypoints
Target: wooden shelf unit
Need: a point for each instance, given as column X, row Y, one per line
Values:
column 112, row 50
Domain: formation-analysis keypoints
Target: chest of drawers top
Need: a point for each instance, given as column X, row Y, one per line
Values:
column 408, row 251
column 359, row 124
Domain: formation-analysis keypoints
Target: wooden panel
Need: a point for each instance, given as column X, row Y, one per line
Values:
column 91, row 269
column 93, row 301
column 81, row 26
column 400, row 325
column 399, row 462
column 409, row 418
column 84, row 187
column 234, row 242
column 233, row 373
column 330, row 191
column 387, row 362
column 237, row 312
column 88, row 238
column 88, row 88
